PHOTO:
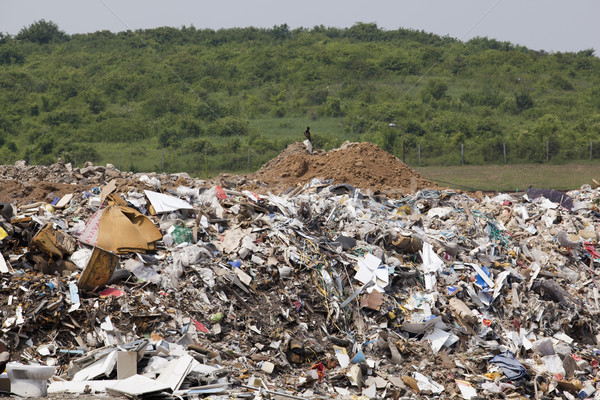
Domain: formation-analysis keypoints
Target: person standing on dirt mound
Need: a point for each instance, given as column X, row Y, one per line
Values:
column 308, row 145
column 307, row 134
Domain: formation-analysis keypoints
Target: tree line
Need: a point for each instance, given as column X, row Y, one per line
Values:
column 201, row 91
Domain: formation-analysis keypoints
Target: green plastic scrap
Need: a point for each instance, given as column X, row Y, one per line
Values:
column 181, row 234
column 501, row 236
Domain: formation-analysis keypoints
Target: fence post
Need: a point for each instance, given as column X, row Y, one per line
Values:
column 419, row 152
column 591, row 150
column 547, row 150
column 75, row 160
column 403, row 148
column 504, row 151
column 462, row 154
column 163, row 162
column 119, row 161
column 248, row 156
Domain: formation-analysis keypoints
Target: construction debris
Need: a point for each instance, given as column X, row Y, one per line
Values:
column 321, row 291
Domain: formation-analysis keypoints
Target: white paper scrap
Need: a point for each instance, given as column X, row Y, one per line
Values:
column 431, row 261
column 107, row 324
column 369, row 261
column 466, row 390
column 163, row 203
column 342, row 356
column 425, row 383
column 204, row 221
column 499, row 283
column 564, row 337
column 3, row 265
column 437, row 338
column 432, row 264
column 364, row 274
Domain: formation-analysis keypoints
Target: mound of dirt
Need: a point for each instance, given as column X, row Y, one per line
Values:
column 25, row 192
column 363, row 165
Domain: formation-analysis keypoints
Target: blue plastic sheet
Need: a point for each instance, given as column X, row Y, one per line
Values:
column 507, row 362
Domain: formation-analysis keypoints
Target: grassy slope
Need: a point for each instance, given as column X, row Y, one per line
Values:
column 513, row 177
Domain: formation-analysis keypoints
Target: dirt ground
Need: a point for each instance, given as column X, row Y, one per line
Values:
column 23, row 192
column 363, row 165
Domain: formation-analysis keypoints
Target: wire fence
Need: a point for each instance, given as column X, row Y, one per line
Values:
column 430, row 154
column 199, row 164
column 204, row 164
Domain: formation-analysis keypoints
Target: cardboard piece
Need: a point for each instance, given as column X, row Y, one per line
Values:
column 98, row 271
column 56, row 243
column 244, row 277
column 355, row 376
column 108, row 189
column 64, row 201
column 120, row 229
column 373, row 301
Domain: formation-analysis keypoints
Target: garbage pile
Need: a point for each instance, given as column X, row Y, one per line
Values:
column 324, row 291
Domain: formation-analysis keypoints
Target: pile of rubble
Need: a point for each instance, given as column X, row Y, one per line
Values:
column 362, row 165
column 166, row 286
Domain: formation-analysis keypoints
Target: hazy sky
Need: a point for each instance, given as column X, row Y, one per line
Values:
column 551, row 25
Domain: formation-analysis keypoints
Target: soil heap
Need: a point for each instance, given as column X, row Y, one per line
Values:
column 363, row 165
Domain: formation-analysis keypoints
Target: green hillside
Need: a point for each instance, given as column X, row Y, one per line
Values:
column 206, row 101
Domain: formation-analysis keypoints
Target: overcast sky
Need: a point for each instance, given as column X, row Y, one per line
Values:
column 550, row 25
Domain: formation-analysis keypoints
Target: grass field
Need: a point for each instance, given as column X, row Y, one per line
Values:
column 292, row 128
column 511, row 178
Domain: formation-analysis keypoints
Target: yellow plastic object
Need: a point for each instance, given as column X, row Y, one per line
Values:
column 404, row 210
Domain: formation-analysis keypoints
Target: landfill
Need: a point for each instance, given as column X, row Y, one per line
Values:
column 325, row 275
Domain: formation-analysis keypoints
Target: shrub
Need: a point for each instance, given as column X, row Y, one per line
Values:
column 230, row 126
column 42, row 32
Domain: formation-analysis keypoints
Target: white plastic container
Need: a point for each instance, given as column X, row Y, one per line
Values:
column 29, row 380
